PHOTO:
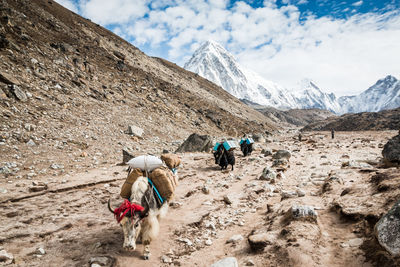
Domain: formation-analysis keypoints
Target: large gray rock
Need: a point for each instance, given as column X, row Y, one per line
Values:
column 391, row 151
column 387, row 230
column 196, row 143
column 227, row 262
column 282, row 154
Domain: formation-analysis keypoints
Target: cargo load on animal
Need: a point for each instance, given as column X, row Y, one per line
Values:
column 163, row 179
column 224, row 153
column 246, row 146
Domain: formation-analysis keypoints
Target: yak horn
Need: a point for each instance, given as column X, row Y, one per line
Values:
column 109, row 206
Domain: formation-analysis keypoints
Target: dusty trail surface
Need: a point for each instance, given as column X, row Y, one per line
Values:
column 70, row 223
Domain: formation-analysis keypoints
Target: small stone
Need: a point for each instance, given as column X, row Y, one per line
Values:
column 227, row 262
column 249, row 263
column 135, row 131
column 228, row 199
column 300, row 192
column 101, row 261
column 208, row 242
column 259, row 241
column 3, row 190
column 303, row 212
column 205, row 190
column 166, row 259
column 288, row 194
column 356, row 242
column 6, row 258
column 268, row 175
column 30, row 143
column 235, row 239
column 282, row 154
column 41, row 251
column 18, row 93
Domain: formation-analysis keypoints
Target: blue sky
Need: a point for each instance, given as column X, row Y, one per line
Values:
column 344, row 46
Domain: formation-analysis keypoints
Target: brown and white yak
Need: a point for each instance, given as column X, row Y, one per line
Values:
column 141, row 221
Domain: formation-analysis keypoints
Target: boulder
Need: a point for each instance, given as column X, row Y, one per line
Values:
column 391, row 152
column 387, row 230
column 227, row 262
column 196, row 143
column 282, row 154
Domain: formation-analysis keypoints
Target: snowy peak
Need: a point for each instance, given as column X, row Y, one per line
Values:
column 215, row 63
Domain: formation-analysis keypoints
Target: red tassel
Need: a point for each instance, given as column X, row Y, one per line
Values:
column 125, row 207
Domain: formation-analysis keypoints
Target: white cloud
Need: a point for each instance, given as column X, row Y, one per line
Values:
column 68, row 4
column 342, row 56
column 359, row 3
column 107, row 12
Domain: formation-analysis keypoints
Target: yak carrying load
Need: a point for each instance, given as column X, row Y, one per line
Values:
column 162, row 178
column 246, row 146
column 224, row 153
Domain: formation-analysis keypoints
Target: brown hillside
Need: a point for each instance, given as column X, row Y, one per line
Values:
column 79, row 87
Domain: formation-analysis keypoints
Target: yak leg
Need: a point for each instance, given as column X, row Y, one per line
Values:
column 146, row 251
column 150, row 231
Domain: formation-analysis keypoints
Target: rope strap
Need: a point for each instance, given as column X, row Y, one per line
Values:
column 155, row 190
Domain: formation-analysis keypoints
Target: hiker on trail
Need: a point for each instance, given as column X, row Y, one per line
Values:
column 333, row 133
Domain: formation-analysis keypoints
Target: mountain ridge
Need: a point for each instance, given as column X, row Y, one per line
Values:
column 216, row 64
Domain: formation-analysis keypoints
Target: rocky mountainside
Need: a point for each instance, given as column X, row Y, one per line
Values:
column 216, row 64
column 383, row 120
column 69, row 90
column 384, row 94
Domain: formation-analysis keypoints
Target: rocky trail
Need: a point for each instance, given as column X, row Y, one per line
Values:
column 244, row 213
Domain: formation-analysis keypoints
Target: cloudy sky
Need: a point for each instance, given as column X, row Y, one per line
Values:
column 345, row 46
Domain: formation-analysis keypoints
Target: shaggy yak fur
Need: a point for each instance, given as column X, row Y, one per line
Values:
column 223, row 157
column 143, row 225
column 246, row 148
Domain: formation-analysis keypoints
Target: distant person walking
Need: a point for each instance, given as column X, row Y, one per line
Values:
column 333, row 133
column 300, row 136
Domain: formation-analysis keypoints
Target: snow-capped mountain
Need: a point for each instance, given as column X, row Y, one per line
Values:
column 214, row 63
column 384, row 94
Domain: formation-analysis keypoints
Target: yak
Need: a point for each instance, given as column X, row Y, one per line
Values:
column 223, row 157
column 139, row 217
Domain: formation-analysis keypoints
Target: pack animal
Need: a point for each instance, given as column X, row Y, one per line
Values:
column 224, row 158
column 142, row 221
column 246, row 148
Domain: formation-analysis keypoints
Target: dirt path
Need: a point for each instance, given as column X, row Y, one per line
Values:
column 73, row 225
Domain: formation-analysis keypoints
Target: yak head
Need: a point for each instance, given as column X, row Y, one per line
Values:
column 129, row 216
